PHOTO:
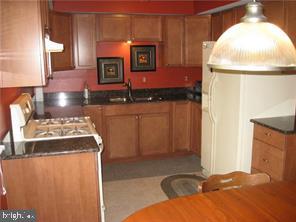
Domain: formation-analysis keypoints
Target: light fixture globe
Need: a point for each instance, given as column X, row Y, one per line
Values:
column 253, row 45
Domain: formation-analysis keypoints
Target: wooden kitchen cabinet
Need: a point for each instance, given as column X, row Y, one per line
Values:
column 197, row 30
column 146, row 28
column 60, row 188
column 173, row 40
column 274, row 153
column 61, row 32
column 22, row 43
column 290, row 20
column 274, row 11
column 121, row 139
column 216, row 26
column 154, row 133
column 136, row 130
column 196, row 128
column 95, row 112
column 181, row 126
column 228, row 19
column 113, row 27
column 84, row 36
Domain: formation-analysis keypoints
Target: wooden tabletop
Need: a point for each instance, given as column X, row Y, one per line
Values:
column 268, row 202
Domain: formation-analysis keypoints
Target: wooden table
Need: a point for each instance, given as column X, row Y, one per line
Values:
column 268, row 202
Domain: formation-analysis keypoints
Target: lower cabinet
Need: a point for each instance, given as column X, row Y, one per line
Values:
column 95, row 112
column 274, row 153
column 196, row 128
column 181, row 126
column 135, row 131
column 121, row 139
column 61, row 188
column 154, row 133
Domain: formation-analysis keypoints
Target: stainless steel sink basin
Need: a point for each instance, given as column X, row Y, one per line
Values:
column 143, row 99
column 147, row 99
column 136, row 99
column 118, row 100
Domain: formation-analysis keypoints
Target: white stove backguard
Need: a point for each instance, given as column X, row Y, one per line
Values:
column 21, row 110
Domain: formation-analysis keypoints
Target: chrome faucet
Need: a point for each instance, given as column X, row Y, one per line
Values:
column 129, row 90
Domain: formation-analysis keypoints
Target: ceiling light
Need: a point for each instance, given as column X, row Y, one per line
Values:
column 253, row 45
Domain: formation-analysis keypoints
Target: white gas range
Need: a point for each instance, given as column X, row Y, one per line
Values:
column 25, row 128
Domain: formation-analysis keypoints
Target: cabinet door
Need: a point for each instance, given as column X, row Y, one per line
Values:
column 290, row 20
column 121, row 136
column 154, row 133
column 216, row 21
column 173, row 40
column 181, row 127
column 146, row 28
column 84, row 41
column 96, row 115
column 228, row 19
column 274, row 11
column 113, row 27
column 61, row 32
column 64, row 187
column 197, row 30
column 22, row 44
column 196, row 128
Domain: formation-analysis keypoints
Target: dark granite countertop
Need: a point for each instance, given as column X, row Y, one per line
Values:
column 63, row 104
column 102, row 97
column 49, row 147
column 283, row 124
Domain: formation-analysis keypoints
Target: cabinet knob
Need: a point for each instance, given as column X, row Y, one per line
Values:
column 137, row 117
column 265, row 160
column 267, row 134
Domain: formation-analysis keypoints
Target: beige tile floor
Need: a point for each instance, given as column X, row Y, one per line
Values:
column 123, row 197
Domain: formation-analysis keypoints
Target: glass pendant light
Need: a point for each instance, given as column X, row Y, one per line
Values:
column 253, row 45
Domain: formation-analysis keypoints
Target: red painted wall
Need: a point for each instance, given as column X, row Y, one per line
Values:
column 138, row 6
column 7, row 96
column 155, row 7
column 163, row 77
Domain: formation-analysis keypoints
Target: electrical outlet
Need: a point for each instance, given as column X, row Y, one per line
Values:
column 144, row 80
column 186, row 78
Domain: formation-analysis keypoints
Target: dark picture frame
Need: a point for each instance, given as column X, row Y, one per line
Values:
column 143, row 58
column 110, row 70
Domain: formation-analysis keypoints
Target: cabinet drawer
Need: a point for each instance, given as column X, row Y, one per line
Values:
column 268, row 159
column 269, row 136
column 137, row 108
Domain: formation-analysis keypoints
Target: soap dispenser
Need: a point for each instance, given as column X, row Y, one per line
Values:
column 86, row 91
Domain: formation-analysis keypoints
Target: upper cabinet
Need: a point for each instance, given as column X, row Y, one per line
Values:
column 125, row 27
column 84, row 37
column 290, row 20
column 183, row 37
column 113, row 27
column 173, row 40
column 22, row 35
column 146, row 28
column 216, row 26
column 197, row 30
column 61, row 32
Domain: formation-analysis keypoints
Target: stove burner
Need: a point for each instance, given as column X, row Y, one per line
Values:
column 74, row 120
column 76, row 131
column 39, row 133
column 50, row 121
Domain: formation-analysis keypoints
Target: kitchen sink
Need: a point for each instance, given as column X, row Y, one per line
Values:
column 136, row 99
column 143, row 99
column 147, row 99
column 118, row 100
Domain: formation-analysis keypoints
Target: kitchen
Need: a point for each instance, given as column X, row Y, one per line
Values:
column 173, row 70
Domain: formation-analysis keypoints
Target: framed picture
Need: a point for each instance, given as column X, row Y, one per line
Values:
column 143, row 58
column 110, row 70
